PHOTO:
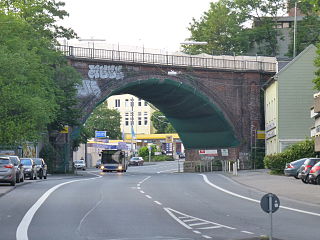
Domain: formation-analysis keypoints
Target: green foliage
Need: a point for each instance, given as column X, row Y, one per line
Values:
column 144, row 151
column 317, row 63
column 159, row 158
column 276, row 162
column 104, row 119
column 37, row 87
column 161, row 123
column 225, row 27
column 48, row 154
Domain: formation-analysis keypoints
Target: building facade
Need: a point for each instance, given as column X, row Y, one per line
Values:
column 288, row 98
column 134, row 111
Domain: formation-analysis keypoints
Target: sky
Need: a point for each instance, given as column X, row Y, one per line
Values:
column 148, row 24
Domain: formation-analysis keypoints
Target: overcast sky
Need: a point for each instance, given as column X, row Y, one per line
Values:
column 160, row 24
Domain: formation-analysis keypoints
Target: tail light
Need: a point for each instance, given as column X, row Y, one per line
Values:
column 314, row 169
column 289, row 166
column 307, row 167
column 8, row 166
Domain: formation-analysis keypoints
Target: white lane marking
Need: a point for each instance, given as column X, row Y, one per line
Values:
column 212, row 227
column 138, row 188
column 197, row 232
column 22, row 230
column 144, row 179
column 138, row 185
column 169, row 170
column 142, row 191
column 148, row 196
column 175, row 218
column 193, row 218
column 197, row 224
column 207, row 237
column 159, row 203
column 247, row 232
column 253, row 200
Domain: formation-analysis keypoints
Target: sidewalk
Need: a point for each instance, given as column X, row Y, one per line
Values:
column 284, row 186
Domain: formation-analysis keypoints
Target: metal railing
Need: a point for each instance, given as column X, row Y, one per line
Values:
column 166, row 59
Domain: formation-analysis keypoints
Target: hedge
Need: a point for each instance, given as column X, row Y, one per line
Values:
column 277, row 162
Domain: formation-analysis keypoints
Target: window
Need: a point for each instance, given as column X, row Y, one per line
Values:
column 127, row 119
column 139, row 102
column 145, row 103
column 117, row 103
column 145, row 118
column 139, row 119
column 126, row 103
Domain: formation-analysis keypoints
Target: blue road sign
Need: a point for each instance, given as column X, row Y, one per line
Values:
column 100, row 134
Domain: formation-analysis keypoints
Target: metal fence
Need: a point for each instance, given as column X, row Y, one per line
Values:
column 166, row 59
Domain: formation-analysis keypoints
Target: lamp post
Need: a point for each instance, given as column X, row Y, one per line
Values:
column 295, row 30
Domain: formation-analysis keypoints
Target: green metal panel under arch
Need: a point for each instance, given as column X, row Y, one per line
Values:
column 198, row 121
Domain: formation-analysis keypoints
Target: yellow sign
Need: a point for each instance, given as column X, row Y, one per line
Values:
column 65, row 129
column 169, row 139
column 261, row 134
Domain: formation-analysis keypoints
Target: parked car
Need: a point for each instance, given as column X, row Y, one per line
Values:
column 18, row 166
column 30, row 168
column 7, row 171
column 80, row 164
column 306, row 167
column 41, row 167
column 98, row 164
column 314, row 175
column 136, row 161
column 293, row 168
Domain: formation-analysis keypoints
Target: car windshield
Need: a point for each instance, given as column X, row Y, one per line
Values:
column 135, row 158
column 4, row 161
column 37, row 161
column 79, row 161
column 26, row 161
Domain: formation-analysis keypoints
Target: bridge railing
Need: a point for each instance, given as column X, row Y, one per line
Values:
column 171, row 60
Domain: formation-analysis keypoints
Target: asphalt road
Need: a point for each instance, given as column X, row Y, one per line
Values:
column 147, row 202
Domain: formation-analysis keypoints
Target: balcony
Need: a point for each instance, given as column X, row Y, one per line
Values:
column 316, row 103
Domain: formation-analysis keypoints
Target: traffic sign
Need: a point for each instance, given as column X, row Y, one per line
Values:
column 270, row 203
column 100, row 134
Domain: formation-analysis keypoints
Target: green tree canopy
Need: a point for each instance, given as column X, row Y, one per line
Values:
column 161, row 123
column 104, row 119
column 37, row 87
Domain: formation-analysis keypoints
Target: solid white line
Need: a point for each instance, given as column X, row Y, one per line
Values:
column 247, row 232
column 253, row 200
column 159, row 203
column 191, row 220
column 148, row 196
column 170, row 170
column 22, row 230
column 177, row 219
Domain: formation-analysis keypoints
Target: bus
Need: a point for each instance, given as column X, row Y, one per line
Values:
column 113, row 160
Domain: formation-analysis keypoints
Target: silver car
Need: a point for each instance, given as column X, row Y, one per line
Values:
column 80, row 164
column 7, row 171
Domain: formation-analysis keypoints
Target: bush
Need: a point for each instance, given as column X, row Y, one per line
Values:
column 162, row 158
column 277, row 162
column 144, row 151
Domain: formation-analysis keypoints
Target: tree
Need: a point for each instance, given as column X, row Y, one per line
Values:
column 226, row 27
column 161, row 123
column 38, row 88
column 104, row 119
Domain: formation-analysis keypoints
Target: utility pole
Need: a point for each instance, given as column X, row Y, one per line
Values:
column 132, row 126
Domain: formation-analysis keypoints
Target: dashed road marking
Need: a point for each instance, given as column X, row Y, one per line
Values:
column 142, row 191
column 148, row 196
column 197, row 232
column 207, row 237
column 159, row 203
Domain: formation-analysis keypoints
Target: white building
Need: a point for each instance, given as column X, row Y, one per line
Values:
column 133, row 111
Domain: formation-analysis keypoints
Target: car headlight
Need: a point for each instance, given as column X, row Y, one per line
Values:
column 102, row 167
column 120, row 167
